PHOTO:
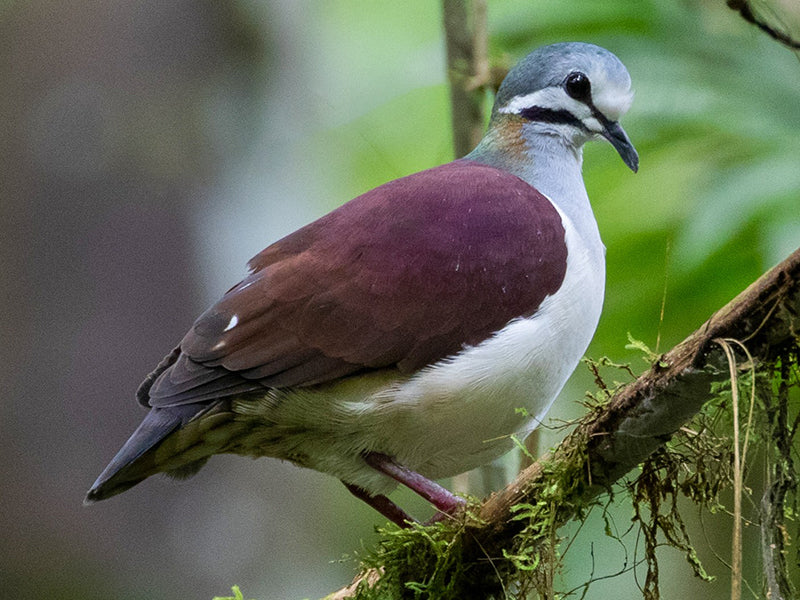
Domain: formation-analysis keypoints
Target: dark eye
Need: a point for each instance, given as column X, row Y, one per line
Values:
column 578, row 86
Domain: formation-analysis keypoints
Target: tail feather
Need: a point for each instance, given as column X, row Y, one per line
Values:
column 153, row 448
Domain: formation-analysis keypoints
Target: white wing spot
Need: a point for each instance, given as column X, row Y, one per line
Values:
column 232, row 323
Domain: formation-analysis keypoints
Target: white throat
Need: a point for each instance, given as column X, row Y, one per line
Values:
column 555, row 169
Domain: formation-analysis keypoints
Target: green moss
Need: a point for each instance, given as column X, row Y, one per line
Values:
column 237, row 594
column 697, row 464
column 420, row 562
column 562, row 493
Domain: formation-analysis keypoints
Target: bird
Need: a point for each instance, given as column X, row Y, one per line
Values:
column 412, row 332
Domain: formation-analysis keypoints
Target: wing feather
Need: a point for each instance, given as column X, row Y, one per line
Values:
column 402, row 276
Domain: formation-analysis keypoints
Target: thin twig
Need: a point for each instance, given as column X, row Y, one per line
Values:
column 736, row 542
column 746, row 12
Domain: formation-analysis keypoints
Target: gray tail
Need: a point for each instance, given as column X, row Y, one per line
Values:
column 150, row 450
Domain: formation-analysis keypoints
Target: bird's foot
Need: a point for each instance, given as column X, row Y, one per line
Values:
column 383, row 505
column 443, row 499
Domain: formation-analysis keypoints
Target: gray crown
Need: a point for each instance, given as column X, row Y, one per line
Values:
column 550, row 65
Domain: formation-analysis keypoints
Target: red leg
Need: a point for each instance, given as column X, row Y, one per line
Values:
column 440, row 497
column 382, row 504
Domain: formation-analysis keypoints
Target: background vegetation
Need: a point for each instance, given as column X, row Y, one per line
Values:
column 150, row 149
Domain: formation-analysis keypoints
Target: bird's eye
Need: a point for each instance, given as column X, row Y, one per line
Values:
column 578, row 86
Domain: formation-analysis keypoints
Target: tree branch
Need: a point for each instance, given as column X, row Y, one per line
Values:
column 746, row 12
column 638, row 419
column 465, row 26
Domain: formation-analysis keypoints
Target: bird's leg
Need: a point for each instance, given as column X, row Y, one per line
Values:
column 383, row 505
column 440, row 497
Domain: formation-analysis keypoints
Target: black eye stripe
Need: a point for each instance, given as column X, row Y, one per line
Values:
column 601, row 118
column 562, row 116
column 549, row 115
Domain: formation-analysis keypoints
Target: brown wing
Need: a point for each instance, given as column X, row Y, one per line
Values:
column 404, row 275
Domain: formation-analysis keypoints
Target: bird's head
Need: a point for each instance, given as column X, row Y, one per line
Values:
column 573, row 90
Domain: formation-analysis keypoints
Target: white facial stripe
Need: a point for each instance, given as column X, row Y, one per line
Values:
column 612, row 103
column 520, row 103
column 554, row 98
column 593, row 125
column 609, row 100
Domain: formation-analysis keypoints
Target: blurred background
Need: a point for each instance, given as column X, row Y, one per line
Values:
column 149, row 149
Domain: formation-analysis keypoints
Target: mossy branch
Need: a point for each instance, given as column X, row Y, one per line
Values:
column 637, row 420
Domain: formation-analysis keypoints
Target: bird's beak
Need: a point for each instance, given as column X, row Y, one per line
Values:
column 615, row 134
